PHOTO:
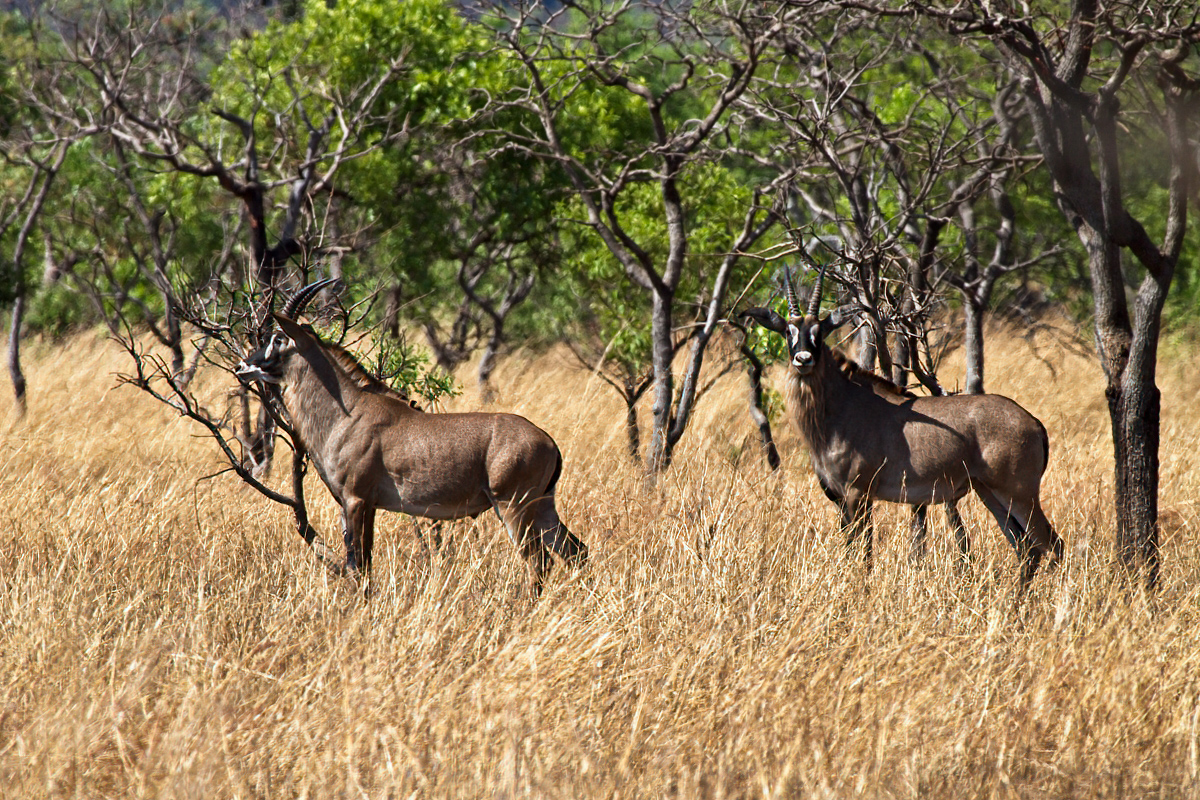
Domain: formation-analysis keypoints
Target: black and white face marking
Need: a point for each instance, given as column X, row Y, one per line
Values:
column 266, row 363
column 804, row 344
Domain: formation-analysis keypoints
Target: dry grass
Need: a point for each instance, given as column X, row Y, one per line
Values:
column 169, row 636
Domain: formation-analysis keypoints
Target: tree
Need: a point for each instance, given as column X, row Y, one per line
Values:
column 895, row 138
column 600, row 315
column 1098, row 79
column 34, row 152
column 618, row 95
column 458, row 238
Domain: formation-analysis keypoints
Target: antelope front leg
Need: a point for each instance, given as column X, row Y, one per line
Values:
column 359, row 523
column 856, row 521
column 918, row 527
column 960, row 532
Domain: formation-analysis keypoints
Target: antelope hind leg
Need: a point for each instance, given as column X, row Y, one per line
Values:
column 556, row 537
column 537, row 559
column 520, row 522
column 1013, row 521
column 1043, row 532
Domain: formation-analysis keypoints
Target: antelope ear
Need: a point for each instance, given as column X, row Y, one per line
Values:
column 295, row 331
column 301, row 337
column 767, row 318
column 836, row 319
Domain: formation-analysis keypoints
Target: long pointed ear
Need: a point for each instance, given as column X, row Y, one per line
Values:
column 310, row 350
column 837, row 318
column 767, row 318
column 295, row 332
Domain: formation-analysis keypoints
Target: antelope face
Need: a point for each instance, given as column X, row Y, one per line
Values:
column 267, row 363
column 804, row 343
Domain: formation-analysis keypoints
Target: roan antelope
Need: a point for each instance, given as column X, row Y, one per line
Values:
column 373, row 450
column 915, row 450
column 918, row 527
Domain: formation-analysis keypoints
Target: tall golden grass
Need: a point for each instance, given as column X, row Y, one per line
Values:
column 166, row 634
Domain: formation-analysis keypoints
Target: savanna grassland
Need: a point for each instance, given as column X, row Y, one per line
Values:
column 165, row 633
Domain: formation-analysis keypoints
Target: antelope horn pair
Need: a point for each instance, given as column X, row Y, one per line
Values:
column 814, row 303
column 300, row 299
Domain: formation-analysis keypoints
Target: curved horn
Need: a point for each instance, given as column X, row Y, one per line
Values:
column 814, row 303
column 792, row 300
column 300, row 299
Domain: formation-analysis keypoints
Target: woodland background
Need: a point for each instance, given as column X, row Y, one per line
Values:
column 559, row 209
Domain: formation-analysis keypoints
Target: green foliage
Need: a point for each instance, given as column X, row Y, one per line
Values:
column 406, row 368
column 56, row 311
column 596, row 301
column 423, row 199
column 400, row 364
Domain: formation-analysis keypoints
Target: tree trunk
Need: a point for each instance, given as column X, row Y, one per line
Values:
column 633, row 436
column 391, row 309
column 1135, row 431
column 689, row 390
column 1134, row 402
column 487, row 364
column 14, row 353
column 973, row 344
column 174, row 340
column 865, row 349
column 662, row 353
column 899, row 357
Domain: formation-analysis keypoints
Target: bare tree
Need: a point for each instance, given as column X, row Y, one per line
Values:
column 481, row 315
column 140, row 81
column 34, row 150
column 880, row 180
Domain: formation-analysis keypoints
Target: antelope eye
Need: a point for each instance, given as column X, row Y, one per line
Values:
column 814, row 333
column 793, row 335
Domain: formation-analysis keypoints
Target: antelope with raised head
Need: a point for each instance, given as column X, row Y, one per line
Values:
column 916, row 450
column 373, row 449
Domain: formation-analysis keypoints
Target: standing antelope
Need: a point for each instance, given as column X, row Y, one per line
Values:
column 373, row 450
column 917, row 527
column 917, row 450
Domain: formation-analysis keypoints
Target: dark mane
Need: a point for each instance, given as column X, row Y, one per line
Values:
column 359, row 374
column 854, row 372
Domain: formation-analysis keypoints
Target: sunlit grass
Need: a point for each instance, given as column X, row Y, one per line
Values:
column 166, row 634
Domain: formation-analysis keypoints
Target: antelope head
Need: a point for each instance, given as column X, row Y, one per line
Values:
column 267, row 364
column 805, row 331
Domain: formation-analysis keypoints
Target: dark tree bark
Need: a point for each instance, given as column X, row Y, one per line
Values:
column 633, row 434
column 27, row 210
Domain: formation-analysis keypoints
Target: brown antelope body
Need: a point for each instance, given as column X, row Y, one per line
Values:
column 917, row 527
column 374, row 450
column 866, row 446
